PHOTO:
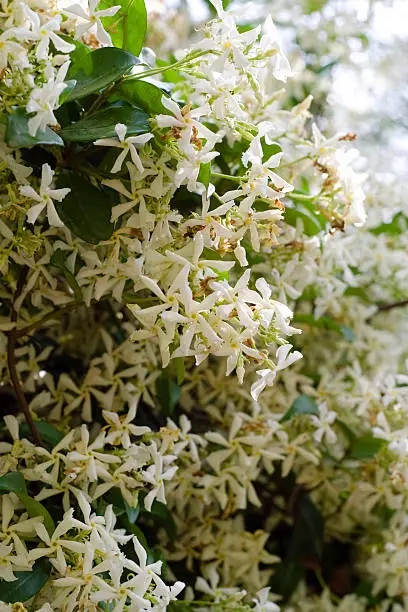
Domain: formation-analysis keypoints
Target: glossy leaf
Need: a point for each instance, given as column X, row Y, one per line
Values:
column 86, row 210
column 96, row 70
column 58, row 260
column 27, row 584
column 13, row 482
column 102, row 124
column 35, row 508
column 302, row 405
column 143, row 94
column 48, row 433
column 127, row 28
column 161, row 513
column 17, row 134
column 168, row 392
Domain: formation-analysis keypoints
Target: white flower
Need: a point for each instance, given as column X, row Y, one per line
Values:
column 44, row 34
column 323, row 423
column 267, row 376
column 92, row 17
column 44, row 100
column 127, row 144
column 45, row 198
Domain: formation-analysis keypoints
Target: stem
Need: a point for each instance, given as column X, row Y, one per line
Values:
column 228, row 177
column 50, row 315
column 11, row 359
column 179, row 64
column 301, row 196
column 399, row 304
column 296, row 161
column 54, row 314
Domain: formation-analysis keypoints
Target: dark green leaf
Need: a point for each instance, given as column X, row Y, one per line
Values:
column 48, row 432
column 58, row 260
column 17, row 132
column 132, row 528
column 102, row 124
column 98, row 69
column 309, row 529
column 305, row 545
column 127, row 28
column 168, row 392
column 365, row 447
column 302, row 405
column 35, row 508
column 27, row 584
column 13, row 482
column 120, row 505
column 143, row 94
column 161, row 513
column 86, row 210
column 287, row 576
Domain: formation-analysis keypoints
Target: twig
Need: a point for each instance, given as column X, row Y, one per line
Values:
column 11, row 359
column 399, row 304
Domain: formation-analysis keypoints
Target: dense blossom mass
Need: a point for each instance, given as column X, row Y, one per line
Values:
column 203, row 365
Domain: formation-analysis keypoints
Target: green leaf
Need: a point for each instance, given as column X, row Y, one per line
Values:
column 309, row 529
column 132, row 528
column 58, row 261
column 358, row 292
column 35, row 508
column 96, row 70
column 365, row 447
column 168, row 392
column 325, row 323
column 13, row 482
column 397, row 226
column 204, row 176
column 86, row 210
column 313, row 221
column 161, row 513
column 27, row 584
column 69, row 87
column 80, row 50
column 269, row 149
column 144, row 95
column 120, row 505
column 127, row 28
column 179, row 361
column 102, row 124
column 303, row 404
column 306, row 544
column 17, row 135
column 48, row 432
column 346, row 430
column 286, row 577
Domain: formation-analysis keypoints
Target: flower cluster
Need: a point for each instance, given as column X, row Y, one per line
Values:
column 175, row 235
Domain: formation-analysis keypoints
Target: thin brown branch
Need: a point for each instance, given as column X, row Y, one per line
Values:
column 391, row 305
column 54, row 314
column 11, row 359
